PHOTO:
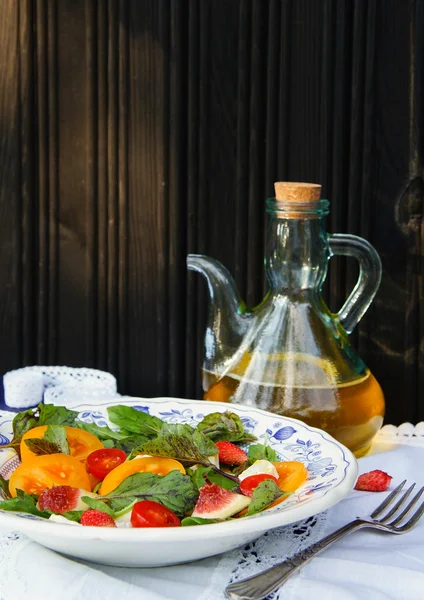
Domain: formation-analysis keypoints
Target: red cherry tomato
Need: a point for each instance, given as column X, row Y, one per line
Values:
column 250, row 483
column 101, row 462
column 152, row 514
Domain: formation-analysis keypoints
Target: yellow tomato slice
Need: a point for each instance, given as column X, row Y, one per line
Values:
column 146, row 464
column 41, row 472
column 81, row 443
column 291, row 475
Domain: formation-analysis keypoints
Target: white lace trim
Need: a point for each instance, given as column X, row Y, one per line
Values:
column 273, row 547
column 27, row 387
column 412, row 435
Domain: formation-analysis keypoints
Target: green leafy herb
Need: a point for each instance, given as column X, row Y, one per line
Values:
column 98, row 505
column 73, row 515
column 199, row 476
column 103, row 433
column 174, row 490
column 4, row 487
column 189, row 521
column 54, row 441
column 203, row 443
column 108, row 444
column 22, row 422
column 56, row 415
column 179, row 447
column 24, row 503
column 183, row 449
column 130, row 444
column 264, row 495
column 134, row 421
column 225, row 426
column 261, row 452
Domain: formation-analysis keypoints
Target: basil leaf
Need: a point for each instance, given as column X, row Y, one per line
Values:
column 189, row 521
column 131, row 442
column 73, row 515
column 177, row 429
column 43, row 414
column 4, row 487
column 176, row 446
column 174, row 490
column 261, row 452
column 264, row 495
column 203, row 443
column 98, row 505
column 56, row 434
column 225, row 426
column 40, row 446
column 199, row 476
column 134, row 421
column 103, row 433
column 24, row 503
column 22, row 422
column 54, row 441
column 56, row 415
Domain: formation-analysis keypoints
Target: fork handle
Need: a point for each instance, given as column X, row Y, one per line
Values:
column 259, row 586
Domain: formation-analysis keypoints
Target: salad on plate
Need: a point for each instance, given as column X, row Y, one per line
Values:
column 142, row 471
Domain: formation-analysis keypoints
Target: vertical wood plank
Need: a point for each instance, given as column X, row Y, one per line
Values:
column 10, row 190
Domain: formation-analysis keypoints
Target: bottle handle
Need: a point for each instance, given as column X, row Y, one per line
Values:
column 369, row 278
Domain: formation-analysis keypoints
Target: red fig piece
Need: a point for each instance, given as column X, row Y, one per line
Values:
column 215, row 502
column 63, row 498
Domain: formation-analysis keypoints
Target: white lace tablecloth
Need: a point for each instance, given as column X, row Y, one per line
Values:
column 365, row 565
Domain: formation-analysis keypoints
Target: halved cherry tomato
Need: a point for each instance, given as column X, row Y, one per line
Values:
column 291, row 475
column 41, row 472
column 152, row 514
column 81, row 443
column 149, row 464
column 101, row 462
column 248, row 484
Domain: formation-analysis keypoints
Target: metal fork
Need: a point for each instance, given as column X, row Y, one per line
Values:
column 259, row 586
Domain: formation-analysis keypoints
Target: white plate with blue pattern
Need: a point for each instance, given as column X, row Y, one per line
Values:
column 332, row 472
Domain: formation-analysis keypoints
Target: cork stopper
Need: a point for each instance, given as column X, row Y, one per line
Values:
column 297, row 192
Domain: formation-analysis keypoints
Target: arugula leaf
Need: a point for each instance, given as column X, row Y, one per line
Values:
column 49, row 414
column 24, row 503
column 103, row 433
column 174, row 490
column 264, row 495
column 98, row 505
column 261, row 452
column 225, row 426
column 134, row 421
column 199, row 476
column 189, row 521
column 4, row 487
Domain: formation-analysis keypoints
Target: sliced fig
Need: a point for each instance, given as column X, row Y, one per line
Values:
column 216, row 502
column 63, row 498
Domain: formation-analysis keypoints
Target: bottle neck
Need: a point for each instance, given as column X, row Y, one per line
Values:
column 297, row 253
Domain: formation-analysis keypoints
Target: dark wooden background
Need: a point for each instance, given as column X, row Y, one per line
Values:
column 135, row 131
